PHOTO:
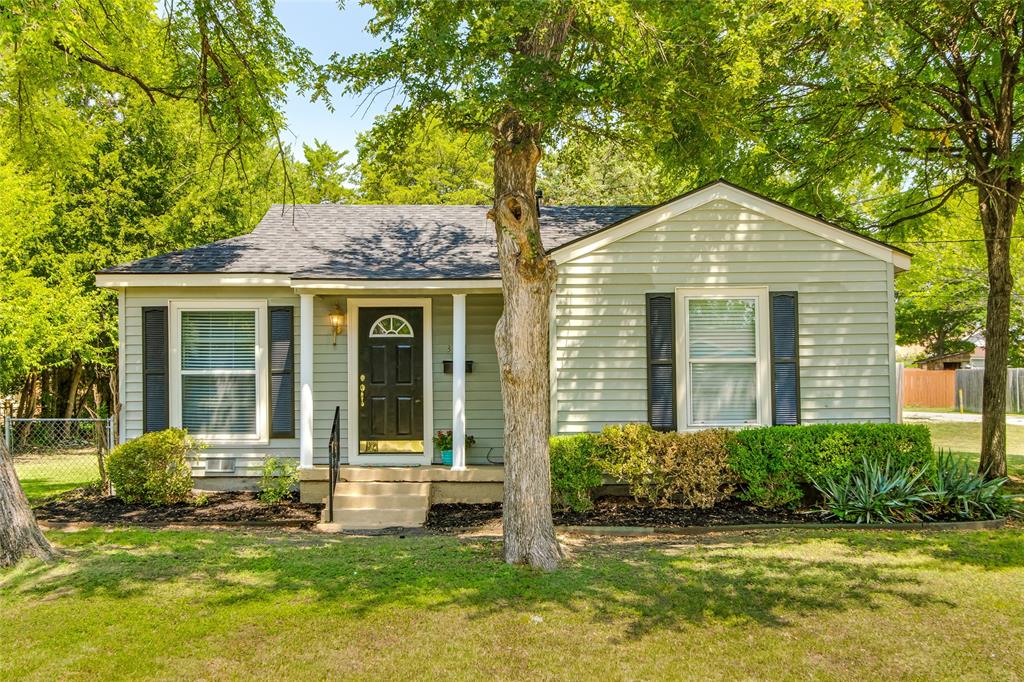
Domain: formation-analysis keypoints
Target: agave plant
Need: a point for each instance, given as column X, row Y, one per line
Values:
column 874, row 494
column 955, row 489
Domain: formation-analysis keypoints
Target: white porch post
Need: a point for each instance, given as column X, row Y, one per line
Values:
column 306, row 381
column 459, row 382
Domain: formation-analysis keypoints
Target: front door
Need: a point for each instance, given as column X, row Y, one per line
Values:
column 390, row 381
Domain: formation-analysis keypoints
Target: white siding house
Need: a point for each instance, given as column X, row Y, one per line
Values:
column 680, row 314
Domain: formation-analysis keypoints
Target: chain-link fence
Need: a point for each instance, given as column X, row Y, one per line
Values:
column 52, row 456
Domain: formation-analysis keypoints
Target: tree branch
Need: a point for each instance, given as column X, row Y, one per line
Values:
column 117, row 70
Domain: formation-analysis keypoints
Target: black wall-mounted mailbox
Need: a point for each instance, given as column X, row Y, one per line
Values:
column 449, row 366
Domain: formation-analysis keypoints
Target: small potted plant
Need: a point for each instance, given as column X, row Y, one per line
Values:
column 443, row 441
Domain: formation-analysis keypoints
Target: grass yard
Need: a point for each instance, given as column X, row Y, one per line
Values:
column 965, row 438
column 158, row 604
column 49, row 474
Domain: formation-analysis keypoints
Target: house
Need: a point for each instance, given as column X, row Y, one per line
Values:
column 947, row 361
column 717, row 308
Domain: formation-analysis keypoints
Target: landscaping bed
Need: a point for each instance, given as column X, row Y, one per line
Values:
column 86, row 506
column 623, row 511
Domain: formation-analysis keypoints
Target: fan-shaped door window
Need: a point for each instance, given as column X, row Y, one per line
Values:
column 391, row 325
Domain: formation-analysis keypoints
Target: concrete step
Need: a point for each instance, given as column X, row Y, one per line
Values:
column 397, row 474
column 362, row 519
column 382, row 488
column 397, row 501
column 361, row 505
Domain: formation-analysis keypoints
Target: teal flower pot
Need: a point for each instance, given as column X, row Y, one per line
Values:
column 446, row 457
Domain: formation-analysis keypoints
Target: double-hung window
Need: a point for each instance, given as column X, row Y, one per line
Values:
column 724, row 348
column 220, row 361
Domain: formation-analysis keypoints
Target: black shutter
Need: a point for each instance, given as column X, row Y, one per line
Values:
column 661, row 374
column 785, row 358
column 282, row 372
column 155, row 395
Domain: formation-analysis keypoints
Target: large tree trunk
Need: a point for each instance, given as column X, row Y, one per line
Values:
column 521, row 337
column 20, row 535
column 998, row 203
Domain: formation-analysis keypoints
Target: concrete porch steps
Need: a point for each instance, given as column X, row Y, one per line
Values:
column 366, row 505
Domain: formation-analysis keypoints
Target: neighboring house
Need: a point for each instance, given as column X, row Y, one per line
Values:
column 717, row 308
column 947, row 361
column 968, row 359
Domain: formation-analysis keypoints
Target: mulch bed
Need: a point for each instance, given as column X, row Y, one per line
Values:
column 621, row 511
column 82, row 505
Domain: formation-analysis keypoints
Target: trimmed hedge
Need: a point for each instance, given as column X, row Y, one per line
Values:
column 574, row 471
column 777, row 464
column 661, row 468
column 153, row 469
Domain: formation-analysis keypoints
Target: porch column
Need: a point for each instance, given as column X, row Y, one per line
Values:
column 306, row 381
column 459, row 382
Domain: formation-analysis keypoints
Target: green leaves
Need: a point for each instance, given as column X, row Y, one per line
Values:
column 876, row 493
column 886, row 493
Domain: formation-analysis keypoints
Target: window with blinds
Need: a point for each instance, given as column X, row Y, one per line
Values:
column 722, row 360
column 218, row 372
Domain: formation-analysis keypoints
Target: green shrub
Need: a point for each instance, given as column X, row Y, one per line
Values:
column 629, row 454
column 153, row 469
column 875, row 493
column 777, row 464
column 574, row 472
column 659, row 468
column 280, row 476
column 695, row 467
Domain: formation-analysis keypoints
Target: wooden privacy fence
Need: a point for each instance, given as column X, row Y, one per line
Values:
column 928, row 388
column 968, row 390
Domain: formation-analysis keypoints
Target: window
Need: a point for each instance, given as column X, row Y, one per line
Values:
column 220, row 368
column 390, row 325
column 725, row 357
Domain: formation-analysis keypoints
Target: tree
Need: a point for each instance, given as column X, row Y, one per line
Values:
column 150, row 131
column 921, row 97
column 528, row 75
column 432, row 164
column 940, row 302
column 603, row 172
column 323, row 175
column 20, row 535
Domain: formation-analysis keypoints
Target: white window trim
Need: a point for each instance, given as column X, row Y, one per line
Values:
column 262, row 435
column 391, row 333
column 763, row 359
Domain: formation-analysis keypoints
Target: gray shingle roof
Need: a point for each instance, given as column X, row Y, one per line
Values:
column 341, row 241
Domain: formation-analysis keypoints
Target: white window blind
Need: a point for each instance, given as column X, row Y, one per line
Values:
column 218, row 371
column 722, row 357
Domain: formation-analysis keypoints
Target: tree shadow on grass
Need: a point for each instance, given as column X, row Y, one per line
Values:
column 646, row 586
column 991, row 550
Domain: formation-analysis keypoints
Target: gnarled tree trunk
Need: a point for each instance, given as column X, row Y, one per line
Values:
column 521, row 337
column 20, row 535
column 998, row 201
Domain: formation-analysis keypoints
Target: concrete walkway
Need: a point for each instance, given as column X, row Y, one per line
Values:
column 955, row 417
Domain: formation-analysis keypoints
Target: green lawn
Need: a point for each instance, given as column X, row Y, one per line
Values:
column 45, row 475
column 844, row 605
column 965, row 438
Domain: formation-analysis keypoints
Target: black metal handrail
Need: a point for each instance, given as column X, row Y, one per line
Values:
column 334, row 463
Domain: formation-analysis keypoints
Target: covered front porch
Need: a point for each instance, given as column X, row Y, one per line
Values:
column 395, row 366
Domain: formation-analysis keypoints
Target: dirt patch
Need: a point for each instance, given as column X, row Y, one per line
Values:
column 622, row 511
column 84, row 505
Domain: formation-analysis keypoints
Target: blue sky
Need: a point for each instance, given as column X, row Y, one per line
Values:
column 321, row 27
